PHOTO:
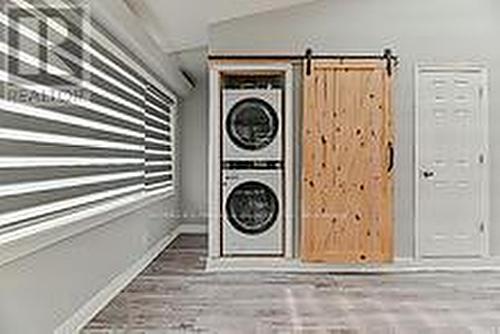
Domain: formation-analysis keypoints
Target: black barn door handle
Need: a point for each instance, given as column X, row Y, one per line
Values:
column 391, row 157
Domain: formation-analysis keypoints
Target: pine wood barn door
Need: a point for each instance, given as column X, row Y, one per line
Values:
column 347, row 163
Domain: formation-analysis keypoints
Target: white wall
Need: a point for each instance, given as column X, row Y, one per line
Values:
column 419, row 31
column 187, row 29
column 40, row 291
column 194, row 139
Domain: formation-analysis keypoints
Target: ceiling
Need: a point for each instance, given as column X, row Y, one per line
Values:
column 179, row 25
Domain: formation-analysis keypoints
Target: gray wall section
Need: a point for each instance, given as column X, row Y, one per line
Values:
column 194, row 139
column 41, row 291
column 422, row 31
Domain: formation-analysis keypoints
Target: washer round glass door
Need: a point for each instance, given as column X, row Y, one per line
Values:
column 252, row 208
column 252, row 124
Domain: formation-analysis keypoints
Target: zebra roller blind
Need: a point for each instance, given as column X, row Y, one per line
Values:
column 159, row 142
column 82, row 121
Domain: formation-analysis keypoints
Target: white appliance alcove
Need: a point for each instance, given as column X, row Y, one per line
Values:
column 251, row 109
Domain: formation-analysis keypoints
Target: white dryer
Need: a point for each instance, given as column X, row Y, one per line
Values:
column 253, row 219
column 252, row 124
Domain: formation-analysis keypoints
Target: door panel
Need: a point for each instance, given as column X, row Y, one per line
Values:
column 346, row 184
column 449, row 148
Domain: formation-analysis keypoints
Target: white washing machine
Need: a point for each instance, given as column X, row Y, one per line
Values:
column 253, row 219
column 252, row 124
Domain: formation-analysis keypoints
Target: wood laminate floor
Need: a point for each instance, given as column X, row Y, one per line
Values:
column 175, row 295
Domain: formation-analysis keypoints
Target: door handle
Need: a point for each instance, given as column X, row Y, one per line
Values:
column 390, row 147
column 428, row 174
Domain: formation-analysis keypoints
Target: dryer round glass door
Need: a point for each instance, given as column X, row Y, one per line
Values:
column 252, row 208
column 252, row 124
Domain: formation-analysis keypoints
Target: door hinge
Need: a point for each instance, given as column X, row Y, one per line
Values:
column 481, row 227
column 482, row 159
column 481, row 92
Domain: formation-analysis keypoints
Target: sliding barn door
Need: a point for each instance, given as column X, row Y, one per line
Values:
column 347, row 163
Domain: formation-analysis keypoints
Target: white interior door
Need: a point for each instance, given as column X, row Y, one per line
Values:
column 451, row 153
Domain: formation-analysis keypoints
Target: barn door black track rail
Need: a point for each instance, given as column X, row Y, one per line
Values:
column 387, row 55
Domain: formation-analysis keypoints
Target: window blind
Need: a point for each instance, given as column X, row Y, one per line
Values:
column 159, row 143
column 82, row 120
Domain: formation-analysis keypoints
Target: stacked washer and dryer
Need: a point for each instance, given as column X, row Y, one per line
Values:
column 252, row 167
column 252, row 172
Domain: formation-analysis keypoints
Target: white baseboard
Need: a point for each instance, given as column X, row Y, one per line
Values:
column 193, row 227
column 80, row 318
column 249, row 264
